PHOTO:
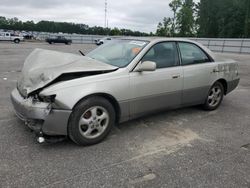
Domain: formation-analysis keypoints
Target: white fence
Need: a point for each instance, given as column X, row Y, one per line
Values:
column 214, row 44
column 226, row 45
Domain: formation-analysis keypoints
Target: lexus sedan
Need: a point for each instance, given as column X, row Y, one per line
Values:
column 83, row 97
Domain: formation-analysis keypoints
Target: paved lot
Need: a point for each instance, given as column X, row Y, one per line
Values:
column 181, row 148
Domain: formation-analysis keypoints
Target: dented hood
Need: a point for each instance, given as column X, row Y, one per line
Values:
column 44, row 66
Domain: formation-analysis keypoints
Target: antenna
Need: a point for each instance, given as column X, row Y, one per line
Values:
column 106, row 10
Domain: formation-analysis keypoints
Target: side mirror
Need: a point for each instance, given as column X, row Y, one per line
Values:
column 146, row 66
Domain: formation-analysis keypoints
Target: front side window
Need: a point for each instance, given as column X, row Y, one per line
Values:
column 118, row 52
column 192, row 54
column 164, row 54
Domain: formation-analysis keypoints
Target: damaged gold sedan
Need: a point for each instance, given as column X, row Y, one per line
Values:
column 82, row 97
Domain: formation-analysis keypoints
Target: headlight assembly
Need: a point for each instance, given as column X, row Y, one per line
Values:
column 49, row 99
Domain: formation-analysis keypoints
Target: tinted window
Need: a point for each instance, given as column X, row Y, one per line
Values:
column 163, row 54
column 192, row 54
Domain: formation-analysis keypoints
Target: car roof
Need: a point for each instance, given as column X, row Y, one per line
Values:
column 164, row 39
column 157, row 39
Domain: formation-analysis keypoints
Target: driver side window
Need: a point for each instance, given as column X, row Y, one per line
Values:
column 164, row 54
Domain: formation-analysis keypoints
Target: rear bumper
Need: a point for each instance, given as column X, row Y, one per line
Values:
column 231, row 85
column 40, row 116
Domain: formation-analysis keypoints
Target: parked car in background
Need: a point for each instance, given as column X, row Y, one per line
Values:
column 28, row 36
column 83, row 97
column 59, row 39
column 6, row 36
column 102, row 40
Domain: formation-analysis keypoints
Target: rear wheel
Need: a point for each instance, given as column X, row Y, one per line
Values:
column 91, row 121
column 215, row 97
column 16, row 41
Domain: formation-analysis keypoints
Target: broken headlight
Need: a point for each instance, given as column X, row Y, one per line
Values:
column 48, row 99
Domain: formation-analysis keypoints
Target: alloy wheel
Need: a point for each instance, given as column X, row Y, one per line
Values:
column 214, row 96
column 94, row 122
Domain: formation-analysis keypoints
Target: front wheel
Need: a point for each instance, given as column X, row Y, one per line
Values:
column 91, row 121
column 215, row 97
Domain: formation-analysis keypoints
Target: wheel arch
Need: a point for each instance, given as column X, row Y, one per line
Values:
column 224, row 84
column 16, row 39
column 108, row 97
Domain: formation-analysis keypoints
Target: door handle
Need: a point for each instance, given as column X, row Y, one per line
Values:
column 176, row 76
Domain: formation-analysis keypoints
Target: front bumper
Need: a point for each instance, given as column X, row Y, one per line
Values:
column 40, row 116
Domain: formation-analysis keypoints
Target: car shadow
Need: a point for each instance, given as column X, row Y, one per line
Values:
column 150, row 121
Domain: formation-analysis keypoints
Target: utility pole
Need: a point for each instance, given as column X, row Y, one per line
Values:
column 105, row 10
column 247, row 19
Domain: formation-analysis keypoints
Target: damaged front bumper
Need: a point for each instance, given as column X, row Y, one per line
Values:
column 40, row 116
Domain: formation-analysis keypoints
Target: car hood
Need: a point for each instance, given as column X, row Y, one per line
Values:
column 43, row 67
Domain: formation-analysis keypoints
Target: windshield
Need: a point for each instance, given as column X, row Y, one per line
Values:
column 118, row 52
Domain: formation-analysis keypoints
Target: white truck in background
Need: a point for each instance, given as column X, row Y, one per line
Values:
column 6, row 36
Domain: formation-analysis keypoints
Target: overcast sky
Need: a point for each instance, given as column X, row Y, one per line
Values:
column 142, row 15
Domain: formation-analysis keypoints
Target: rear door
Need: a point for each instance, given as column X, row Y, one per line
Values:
column 197, row 69
column 60, row 39
column 161, row 88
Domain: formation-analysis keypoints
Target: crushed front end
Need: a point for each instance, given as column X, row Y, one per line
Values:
column 40, row 116
column 46, row 114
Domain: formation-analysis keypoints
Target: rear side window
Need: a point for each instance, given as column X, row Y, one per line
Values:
column 192, row 54
column 164, row 54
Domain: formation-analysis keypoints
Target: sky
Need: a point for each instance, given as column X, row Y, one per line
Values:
column 140, row 15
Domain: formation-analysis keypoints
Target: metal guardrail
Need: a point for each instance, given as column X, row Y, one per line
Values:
column 222, row 45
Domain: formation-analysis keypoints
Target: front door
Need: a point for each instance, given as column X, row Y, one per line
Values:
column 161, row 88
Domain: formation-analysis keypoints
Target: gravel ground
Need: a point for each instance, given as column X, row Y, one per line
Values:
column 179, row 148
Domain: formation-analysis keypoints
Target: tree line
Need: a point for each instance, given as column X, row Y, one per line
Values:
column 207, row 18
column 65, row 27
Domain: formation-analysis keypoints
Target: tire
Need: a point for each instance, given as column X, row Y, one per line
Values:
column 214, row 97
column 16, row 41
column 86, row 128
